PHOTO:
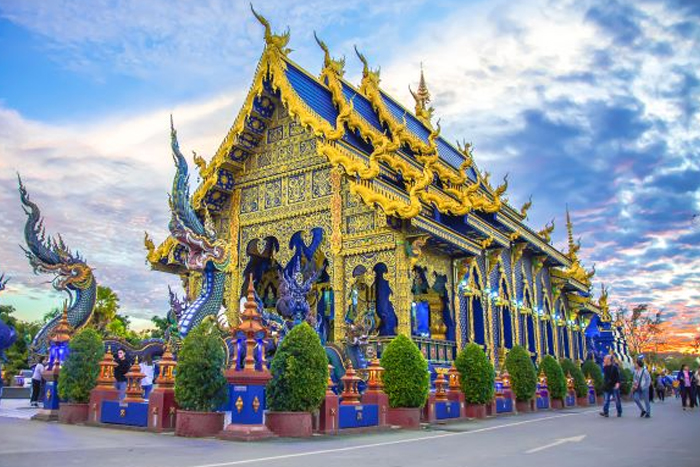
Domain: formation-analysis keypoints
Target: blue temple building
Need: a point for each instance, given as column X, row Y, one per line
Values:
column 339, row 188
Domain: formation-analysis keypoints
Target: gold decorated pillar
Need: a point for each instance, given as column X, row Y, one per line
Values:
column 401, row 286
column 234, row 291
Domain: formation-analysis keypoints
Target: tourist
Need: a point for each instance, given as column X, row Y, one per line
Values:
column 640, row 388
column 120, row 372
column 685, row 386
column 146, row 367
column 611, row 386
column 660, row 387
column 37, row 380
column 695, row 387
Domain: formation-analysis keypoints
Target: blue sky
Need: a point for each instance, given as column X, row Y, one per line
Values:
column 589, row 103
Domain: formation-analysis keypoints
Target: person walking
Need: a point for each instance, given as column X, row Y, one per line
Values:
column 120, row 371
column 640, row 388
column 37, row 380
column 146, row 367
column 660, row 387
column 611, row 386
column 685, row 386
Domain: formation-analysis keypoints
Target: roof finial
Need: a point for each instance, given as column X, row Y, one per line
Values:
column 422, row 98
column 274, row 41
column 573, row 247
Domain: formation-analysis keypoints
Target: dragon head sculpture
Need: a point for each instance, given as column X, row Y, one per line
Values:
column 50, row 255
column 185, row 226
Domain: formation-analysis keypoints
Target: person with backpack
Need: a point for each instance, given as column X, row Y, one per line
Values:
column 640, row 388
column 660, row 388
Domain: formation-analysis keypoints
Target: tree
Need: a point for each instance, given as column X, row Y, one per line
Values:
column 642, row 327
column 200, row 385
column 82, row 366
column 161, row 327
column 106, row 308
column 580, row 385
column 299, row 372
column 476, row 374
column 591, row 368
column 18, row 354
column 406, row 378
column 523, row 375
column 556, row 380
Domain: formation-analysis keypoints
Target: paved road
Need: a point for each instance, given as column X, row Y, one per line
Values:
column 572, row 438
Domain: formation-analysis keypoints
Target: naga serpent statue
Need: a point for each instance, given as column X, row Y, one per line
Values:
column 8, row 335
column 50, row 255
column 206, row 253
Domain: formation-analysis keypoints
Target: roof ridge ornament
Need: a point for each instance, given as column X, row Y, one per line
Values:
column 330, row 65
column 275, row 41
column 369, row 77
column 422, row 98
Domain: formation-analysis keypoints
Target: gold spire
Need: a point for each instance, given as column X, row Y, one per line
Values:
column 62, row 332
column 573, row 247
column 422, row 98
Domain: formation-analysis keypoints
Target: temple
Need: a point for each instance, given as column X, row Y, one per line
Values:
column 355, row 214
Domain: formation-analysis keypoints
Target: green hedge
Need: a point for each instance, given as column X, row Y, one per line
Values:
column 406, row 378
column 556, row 379
column 523, row 375
column 626, row 377
column 299, row 372
column 580, row 386
column 82, row 367
column 200, row 385
column 591, row 368
column 476, row 374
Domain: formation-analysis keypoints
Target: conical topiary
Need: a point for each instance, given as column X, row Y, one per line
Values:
column 200, row 385
column 82, row 366
column 556, row 380
column 299, row 372
column 476, row 374
column 591, row 368
column 580, row 386
column 406, row 378
column 523, row 375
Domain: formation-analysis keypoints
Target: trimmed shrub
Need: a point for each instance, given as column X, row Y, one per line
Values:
column 406, row 378
column 591, row 368
column 200, row 385
column 82, row 366
column 580, row 386
column 626, row 377
column 299, row 372
column 556, row 379
column 476, row 374
column 523, row 376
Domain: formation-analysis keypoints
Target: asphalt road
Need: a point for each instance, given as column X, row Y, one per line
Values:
column 572, row 438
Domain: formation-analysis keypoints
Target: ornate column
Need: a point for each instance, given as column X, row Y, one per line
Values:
column 401, row 287
column 233, row 301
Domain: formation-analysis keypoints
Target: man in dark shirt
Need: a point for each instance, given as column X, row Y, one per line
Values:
column 611, row 386
column 120, row 371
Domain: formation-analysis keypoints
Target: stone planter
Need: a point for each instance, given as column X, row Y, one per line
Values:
column 582, row 401
column 557, row 404
column 476, row 410
column 405, row 417
column 72, row 413
column 198, row 424
column 290, row 424
column 523, row 406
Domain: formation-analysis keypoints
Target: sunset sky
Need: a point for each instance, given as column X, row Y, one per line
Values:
column 590, row 103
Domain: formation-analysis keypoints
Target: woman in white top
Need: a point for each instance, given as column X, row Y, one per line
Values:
column 146, row 367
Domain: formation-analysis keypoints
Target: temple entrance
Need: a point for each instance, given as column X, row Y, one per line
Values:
column 429, row 310
column 293, row 290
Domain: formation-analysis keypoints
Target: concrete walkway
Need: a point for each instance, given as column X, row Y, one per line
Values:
column 574, row 438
